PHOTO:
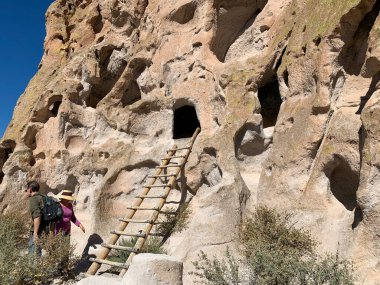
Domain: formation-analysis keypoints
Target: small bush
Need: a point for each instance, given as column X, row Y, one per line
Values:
column 173, row 222
column 17, row 268
column 277, row 254
column 12, row 236
column 213, row 271
column 151, row 245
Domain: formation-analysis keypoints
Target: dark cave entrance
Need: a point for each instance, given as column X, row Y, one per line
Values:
column 344, row 182
column 54, row 108
column 185, row 122
column 270, row 101
column 5, row 153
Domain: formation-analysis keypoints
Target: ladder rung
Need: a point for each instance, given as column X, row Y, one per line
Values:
column 119, row 233
column 168, row 213
column 111, row 263
column 156, row 234
column 159, row 176
column 119, row 247
column 169, row 165
column 172, row 202
column 144, row 209
column 158, row 185
column 180, row 148
column 151, row 196
column 174, row 156
column 136, row 221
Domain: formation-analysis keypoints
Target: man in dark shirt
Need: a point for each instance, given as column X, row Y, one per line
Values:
column 36, row 205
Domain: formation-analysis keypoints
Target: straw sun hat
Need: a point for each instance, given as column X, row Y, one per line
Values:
column 66, row 195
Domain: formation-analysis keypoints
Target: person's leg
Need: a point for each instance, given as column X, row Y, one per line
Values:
column 31, row 244
column 32, row 247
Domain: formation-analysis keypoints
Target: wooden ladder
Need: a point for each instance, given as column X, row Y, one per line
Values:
column 171, row 166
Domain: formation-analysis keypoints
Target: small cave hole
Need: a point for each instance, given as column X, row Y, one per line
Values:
column 132, row 94
column 1, row 176
column 344, row 182
column 183, row 14
column 232, row 22
column 286, row 77
column 270, row 101
column 32, row 161
column 185, row 122
column 317, row 41
column 97, row 23
column 51, row 109
column 210, row 151
column 358, row 217
column 54, row 108
column 30, row 137
column 248, row 141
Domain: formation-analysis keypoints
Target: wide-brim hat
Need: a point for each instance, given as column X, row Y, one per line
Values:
column 66, row 195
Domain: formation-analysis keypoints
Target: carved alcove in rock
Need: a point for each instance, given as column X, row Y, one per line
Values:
column 344, row 181
column 270, row 101
column 5, row 152
column 185, row 120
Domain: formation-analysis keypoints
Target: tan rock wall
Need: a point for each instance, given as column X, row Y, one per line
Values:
column 98, row 116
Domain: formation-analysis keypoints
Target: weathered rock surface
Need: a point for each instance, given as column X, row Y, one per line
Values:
column 149, row 269
column 285, row 91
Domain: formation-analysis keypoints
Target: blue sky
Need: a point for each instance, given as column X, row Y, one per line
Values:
column 22, row 35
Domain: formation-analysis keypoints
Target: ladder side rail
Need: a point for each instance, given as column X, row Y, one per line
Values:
column 183, row 163
column 137, row 202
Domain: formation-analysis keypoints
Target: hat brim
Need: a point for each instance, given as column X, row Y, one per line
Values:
column 63, row 197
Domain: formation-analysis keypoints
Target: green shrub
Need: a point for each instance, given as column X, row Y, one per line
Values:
column 151, row 245
column 12, row 235
column 173, row 222
column 16, row 267
column 276, row 253
column 213, row 271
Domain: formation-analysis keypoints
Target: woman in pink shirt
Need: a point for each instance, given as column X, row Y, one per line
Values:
column 65, row 198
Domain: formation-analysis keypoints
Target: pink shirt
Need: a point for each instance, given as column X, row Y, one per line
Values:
column 65, row 224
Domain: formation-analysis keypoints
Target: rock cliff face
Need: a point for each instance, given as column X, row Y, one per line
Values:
column 285, row 91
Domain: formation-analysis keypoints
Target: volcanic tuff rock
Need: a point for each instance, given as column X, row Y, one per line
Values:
column 285, row 91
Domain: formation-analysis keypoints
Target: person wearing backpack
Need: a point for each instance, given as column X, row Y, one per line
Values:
column 64, row 225
column 36, row 206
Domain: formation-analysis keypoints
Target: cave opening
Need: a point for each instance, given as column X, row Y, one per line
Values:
column 132, row 94
column 5, row 153
column 54, row 108
column 270, row 101
column 185, row 122
column 344, row 182
column 1, row 176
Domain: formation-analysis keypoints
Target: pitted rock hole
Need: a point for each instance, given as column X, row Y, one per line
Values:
column 75, row 145
column 111, row 66
column 30, row 137
column 354, row 52
column 232, row 21
column 131, row 94
column 358, row 217
column 270, row 101
column 5, row 152
column 96, row 22
column 344, row 182
column 185, row 122
column 183, row 14
column 248, row 141
column 49, row 111
column 54, row 108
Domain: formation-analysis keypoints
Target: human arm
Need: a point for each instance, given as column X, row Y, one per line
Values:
column 36, row 223
column 77, row 222
column 36, row 210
